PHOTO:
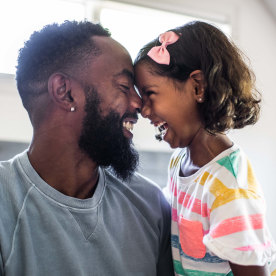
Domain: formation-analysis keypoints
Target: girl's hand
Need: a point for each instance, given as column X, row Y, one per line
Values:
column 252, row 270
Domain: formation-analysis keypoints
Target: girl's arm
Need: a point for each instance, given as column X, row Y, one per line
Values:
column 253, row 270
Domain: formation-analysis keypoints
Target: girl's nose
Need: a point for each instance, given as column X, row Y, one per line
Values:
column 145, row 111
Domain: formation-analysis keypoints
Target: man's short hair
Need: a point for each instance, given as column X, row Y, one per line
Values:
column 65, row 47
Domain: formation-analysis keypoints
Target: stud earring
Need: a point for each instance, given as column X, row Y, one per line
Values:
column 72, row 109
column 200, row 100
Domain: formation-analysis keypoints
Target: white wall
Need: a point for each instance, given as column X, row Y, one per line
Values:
column 14, row 120
column 254, row 30
column 256, row 35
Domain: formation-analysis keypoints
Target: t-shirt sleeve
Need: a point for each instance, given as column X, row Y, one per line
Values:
column 167, row 189
column 172, row 170
column 238, row 231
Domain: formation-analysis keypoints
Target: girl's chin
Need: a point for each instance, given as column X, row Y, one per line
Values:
column 170, row 141
column 173, row 141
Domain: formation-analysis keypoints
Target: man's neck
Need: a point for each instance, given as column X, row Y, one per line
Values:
column 64, row 167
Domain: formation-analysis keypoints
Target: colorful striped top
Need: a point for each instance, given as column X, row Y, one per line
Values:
column 217, row 216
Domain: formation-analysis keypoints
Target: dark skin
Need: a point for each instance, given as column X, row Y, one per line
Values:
column 54, row 152
column 186, row 129
column 253, row 270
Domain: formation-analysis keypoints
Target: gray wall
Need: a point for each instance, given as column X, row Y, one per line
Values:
column 9, row 149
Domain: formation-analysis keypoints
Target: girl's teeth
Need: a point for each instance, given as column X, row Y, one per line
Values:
column 161, row 131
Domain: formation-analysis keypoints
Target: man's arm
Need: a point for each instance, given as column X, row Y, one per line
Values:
column 1, row 265
column 165, row 262
column 252, row 270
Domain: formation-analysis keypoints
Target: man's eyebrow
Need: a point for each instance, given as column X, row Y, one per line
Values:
column 127, row 73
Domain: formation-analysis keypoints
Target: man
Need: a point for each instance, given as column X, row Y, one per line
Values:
column 71, row 204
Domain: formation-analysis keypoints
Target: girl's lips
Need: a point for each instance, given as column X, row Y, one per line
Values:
column 156, row 124
column 161, row 130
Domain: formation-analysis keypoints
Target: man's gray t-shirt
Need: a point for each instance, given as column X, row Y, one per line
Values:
column 123, row 230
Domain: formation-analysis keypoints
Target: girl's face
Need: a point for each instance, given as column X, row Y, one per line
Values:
column 169, row 103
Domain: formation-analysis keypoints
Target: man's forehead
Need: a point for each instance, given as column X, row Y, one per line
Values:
column 113, row 56
column 105, row 44
column 113, row 62
column 125, row 73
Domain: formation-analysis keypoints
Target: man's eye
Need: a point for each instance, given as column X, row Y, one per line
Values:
column 125, row 88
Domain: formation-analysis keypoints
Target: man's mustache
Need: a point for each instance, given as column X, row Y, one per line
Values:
column 133, row 115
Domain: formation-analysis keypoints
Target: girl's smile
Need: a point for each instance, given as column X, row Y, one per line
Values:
column 168, row 105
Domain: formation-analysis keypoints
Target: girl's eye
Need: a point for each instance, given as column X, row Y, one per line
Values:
column 149, row 93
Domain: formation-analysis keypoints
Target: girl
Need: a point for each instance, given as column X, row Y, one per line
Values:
column 195, row 86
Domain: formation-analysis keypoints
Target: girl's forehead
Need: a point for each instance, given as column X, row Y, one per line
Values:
column 146, row 78
column 145, row 70
column 143, row 74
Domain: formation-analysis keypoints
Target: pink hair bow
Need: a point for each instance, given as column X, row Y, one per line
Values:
column 159, row 53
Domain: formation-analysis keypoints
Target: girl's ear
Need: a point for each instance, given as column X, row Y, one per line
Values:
column 199, row 84
column 59, row 88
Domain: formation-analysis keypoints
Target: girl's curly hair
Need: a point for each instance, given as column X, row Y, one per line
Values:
column 231, row 99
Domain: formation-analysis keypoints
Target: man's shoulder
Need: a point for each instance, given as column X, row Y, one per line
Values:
column 137, row 183
column 11, row 179
column 138, row 189
column 13, row 191
column 8, row 168
column 142, row 196
column 143, row 181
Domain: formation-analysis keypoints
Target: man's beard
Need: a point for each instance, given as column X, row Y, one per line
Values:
column 102, row 138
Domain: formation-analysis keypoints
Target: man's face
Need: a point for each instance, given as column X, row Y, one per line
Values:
column 110, row 110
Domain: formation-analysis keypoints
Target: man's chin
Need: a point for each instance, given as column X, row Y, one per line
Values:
column 127, row 134
column 125, row 166
column 108, row 140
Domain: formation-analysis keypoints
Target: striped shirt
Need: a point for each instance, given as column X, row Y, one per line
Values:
column 217, row 216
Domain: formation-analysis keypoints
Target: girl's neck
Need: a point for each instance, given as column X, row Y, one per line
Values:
column 204, row 148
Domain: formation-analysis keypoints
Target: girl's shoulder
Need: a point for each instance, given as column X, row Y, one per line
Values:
column 233, row 170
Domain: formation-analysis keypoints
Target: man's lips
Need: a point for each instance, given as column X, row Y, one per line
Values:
column 128, row 123
column 129, row 119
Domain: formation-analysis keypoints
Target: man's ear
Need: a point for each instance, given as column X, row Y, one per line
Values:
column 59, row 87
column 199, row 84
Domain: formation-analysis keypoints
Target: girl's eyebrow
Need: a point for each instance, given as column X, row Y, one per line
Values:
column 147, row 87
